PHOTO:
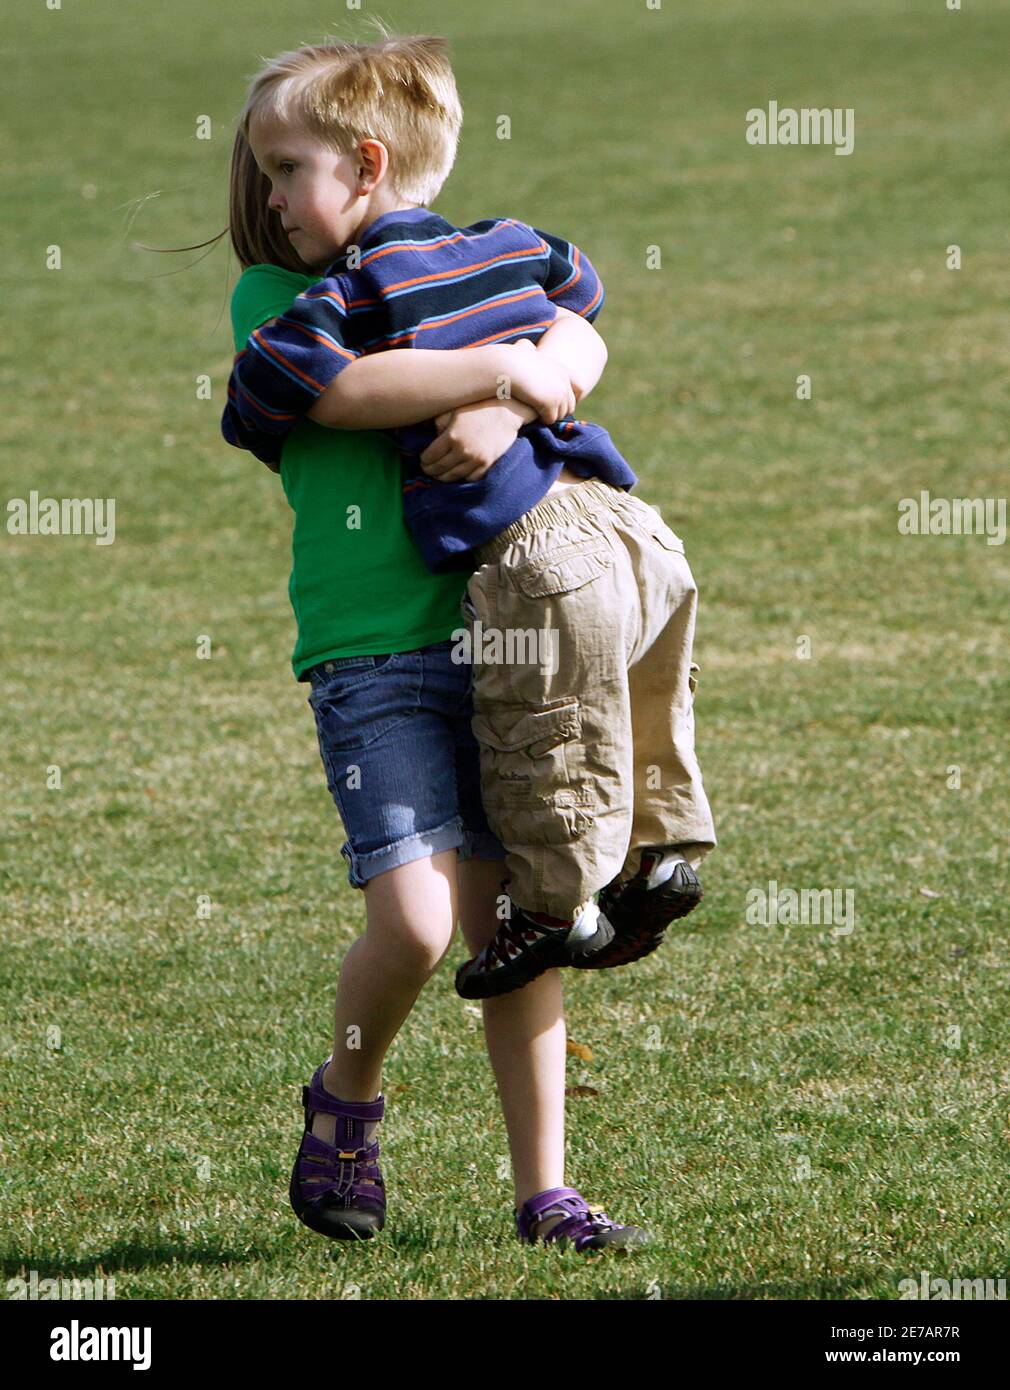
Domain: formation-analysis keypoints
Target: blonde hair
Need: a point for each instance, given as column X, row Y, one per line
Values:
column 400, row 90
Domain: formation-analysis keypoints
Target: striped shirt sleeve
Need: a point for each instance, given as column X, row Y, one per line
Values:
column 285, row 367
column 569, row 278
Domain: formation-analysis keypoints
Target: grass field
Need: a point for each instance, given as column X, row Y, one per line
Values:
column 796, row 1115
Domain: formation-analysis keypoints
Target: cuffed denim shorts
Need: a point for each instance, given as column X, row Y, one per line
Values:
column 401, row 760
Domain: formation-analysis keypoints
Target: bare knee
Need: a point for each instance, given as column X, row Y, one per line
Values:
column 411, row 912
column 414, row 943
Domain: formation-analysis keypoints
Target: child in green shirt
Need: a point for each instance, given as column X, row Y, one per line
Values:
column 393, row 719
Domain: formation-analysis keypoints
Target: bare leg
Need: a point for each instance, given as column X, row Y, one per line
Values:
column 411, row 912
column 526, row 1043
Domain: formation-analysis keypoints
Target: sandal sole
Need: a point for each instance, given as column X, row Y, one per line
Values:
column 626, row 1238
column 631, row 1238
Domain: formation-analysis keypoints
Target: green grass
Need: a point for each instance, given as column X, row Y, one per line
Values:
column 156, row 1141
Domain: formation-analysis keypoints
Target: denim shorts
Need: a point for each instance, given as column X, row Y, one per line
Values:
column 401, row 760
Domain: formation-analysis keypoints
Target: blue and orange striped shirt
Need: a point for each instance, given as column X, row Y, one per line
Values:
column 421, row 282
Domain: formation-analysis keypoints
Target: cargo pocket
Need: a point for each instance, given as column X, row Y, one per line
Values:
column 563, row 570
column 668, row 539
column 532, row 767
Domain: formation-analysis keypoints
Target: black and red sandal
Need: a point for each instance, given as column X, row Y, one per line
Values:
column 525, row 945
column 665, row 889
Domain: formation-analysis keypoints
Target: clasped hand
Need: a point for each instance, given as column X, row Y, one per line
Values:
column 473, row 437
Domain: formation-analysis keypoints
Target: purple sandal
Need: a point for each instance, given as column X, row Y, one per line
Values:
column 328, row 1190
column 586, row 1227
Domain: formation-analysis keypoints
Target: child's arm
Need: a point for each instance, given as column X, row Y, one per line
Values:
column 291, row 367
column 474, row 437
column 572, row 341
column 405, row 386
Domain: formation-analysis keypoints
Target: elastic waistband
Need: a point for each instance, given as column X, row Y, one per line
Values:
column 581, row 499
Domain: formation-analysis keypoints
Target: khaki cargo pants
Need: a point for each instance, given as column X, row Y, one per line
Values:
column 581, row 622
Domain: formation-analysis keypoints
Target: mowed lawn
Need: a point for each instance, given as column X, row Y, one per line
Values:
column 796, row 1113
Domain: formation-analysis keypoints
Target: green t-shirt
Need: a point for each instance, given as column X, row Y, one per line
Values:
column 358, row 584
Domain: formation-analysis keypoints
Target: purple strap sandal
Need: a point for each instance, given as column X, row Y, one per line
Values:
column 329, row 1191
column 584, row 1226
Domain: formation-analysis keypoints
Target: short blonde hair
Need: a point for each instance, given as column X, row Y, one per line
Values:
column 400, row 90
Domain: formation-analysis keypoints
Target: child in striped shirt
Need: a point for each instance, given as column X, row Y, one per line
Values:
column 589, row 776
